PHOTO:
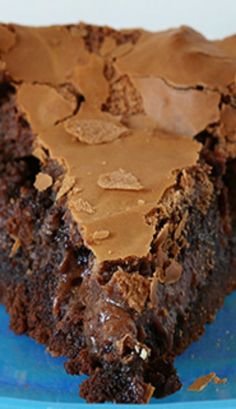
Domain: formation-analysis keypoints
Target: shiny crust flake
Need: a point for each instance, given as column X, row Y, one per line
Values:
column 101, row 235
column 119, row 179
column 84, row 206
column 220, row 381
column 67, row 184
column 202, row 382
column 94, row 131
column 40, row 154
column 43, row 181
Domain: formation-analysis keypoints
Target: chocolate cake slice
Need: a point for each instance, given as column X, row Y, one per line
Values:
column 117, row 197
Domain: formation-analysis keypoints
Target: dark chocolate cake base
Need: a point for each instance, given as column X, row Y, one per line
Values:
column 51, row 294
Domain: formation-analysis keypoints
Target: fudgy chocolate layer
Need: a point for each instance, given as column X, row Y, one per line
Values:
column 54, row 294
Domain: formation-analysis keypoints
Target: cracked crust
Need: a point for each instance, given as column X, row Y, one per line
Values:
column 82, row 84
column 127, row 230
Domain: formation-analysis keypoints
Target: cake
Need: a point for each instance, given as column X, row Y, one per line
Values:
column 117, row 197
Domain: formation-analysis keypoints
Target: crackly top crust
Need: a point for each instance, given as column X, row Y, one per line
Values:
column 142, row 96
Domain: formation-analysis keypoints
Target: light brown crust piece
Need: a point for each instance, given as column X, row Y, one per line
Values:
column 67, row 184
column 119, row 179
column 201, row 383
column 43, row 181
column 176, row 110
column 220, row 381
column 94, row 131
column 40, row 154
column 134, row 288
column 83, row 206
column 43, row 105
column 101, row 235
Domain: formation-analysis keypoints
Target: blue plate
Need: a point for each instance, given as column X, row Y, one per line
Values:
column 31, row 379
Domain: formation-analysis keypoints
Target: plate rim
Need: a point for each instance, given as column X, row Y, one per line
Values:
column 13, row 403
